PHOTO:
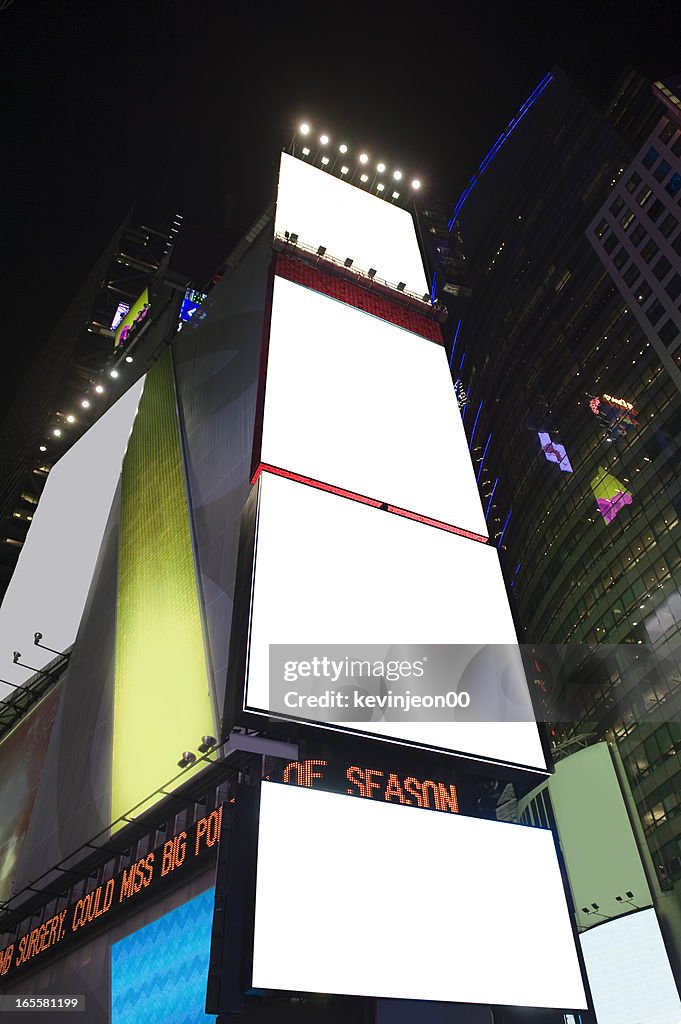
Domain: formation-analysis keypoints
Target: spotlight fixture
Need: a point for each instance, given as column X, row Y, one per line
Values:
column 364, row 177
column 85, row 403
column 37, row 637
column 324, row 139
column 57, row 432
column 207, row 743
column 304, row 129
column 380, row 186
column 396, row 195
column 397, row 175
column 293, row 238
column 306, row 151
column 70, row 419
column 321, row 250
column 43, row 448
column 344, row 169
column 99, row 389
column 113, row 373
column 16, row 656
column 416, row 184
column 187, row 758
column 371, row 273
column 401, row 286
column 343, row 148
column 325, row 160
column 363, row 158
column 380, row 168
column 128, row 359
column 348, row 262
column 426, row 297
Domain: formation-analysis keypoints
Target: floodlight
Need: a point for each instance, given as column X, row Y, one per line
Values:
column 128, row 359
column 99, row 389
column 323, row 139
column 380, row 186
column 113, row 373
column 293, row 238
column 344, row 170
column 57, row 432
column 15, row 657
column 321, row 250
column 43, row 448
column 348, row 262
column 363, row 158
column 306, row 151
column 343, row 148
column 70, row 419
column 37, row 637
column 364, row 177
column 426, row 297
column 325, row 159
column 396, row 195
column 207, row 743
column 187, row 758
column 397, row 175
column 416, row 183
column 304, row 129
column 371, row 273
column 380, row 168
column 85, row 403
column 401, row 286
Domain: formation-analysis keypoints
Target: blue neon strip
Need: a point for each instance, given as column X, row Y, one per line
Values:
column 517, row 567
column 463, row 360
column 432, row 287
column 489, row 503
column 501, row 539
column 489, row 156
column 477, row 417
column 456, row 338
column 477, row 479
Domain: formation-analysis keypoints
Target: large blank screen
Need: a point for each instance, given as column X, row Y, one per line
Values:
column 367, row 406
column 363, row 898
column 324, row 210
column 52, row 578
column 629, row 975
column 329, row 570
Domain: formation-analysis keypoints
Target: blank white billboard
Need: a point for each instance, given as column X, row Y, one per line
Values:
column 394, row 902
column 333, row 571
column 349, row 222
column 366, row 406
column 49, row 586
column 629, row 974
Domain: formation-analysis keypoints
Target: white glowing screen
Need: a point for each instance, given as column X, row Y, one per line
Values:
column 629, row 974
column 50, row 583
column 397, row 902
column 329, row 570
column 366, row 406
column 350, row 222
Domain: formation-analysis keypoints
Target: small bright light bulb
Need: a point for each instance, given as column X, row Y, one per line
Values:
column 324, row 139
column 343, row 148
column 57, row 432
column 363, row 158
column 128, row 359
column 99, row 389
column 70, row 419
column 416, row 183
column 304, row 129
column 380, row 186
column 364, row 177
column 306, row 151
column 344, row 170
column 396, row 195
column 380, row 168
column 85, row 403
column 43, row 448
column 113, row 373
column 397, row 175
column 325, row 160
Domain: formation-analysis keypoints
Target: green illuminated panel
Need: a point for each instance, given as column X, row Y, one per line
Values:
column 162, row 704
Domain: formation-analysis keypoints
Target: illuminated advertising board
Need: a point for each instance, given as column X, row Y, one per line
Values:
column 50, row 584
column 554, row 451
column 630, row 977
column 457, row 909
column 610, row 493
column 350, row 223
column 404, row 583
column 364, row 405
column 133, row 318
column 174, row 860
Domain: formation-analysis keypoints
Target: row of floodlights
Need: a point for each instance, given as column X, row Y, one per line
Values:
column 85, row 403
column 324, row 140
column 189, row 757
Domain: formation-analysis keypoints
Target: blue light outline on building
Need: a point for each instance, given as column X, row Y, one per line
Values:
column 501, row 539
column 477, row 479
column 489, row 503
column 456, row 338
column 477, row 416
column 489, row 156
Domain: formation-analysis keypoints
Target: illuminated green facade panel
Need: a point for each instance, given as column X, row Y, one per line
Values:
column 162, row 703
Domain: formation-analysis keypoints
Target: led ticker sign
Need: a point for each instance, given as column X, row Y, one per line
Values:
column 610, row 493
column 373, row 784
column 179, row 854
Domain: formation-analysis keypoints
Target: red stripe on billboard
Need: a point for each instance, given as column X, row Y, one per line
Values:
column 382, row 306
column 365, row 500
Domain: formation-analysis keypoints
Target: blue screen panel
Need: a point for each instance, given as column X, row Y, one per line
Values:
column 159, row 972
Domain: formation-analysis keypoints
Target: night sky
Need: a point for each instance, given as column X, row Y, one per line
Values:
column 184, row 106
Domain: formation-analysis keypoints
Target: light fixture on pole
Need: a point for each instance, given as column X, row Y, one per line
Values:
column 37, row 637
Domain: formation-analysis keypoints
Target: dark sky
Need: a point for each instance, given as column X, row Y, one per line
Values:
column 184, row 104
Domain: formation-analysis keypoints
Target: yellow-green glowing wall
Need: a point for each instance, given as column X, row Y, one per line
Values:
column 162, row 704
